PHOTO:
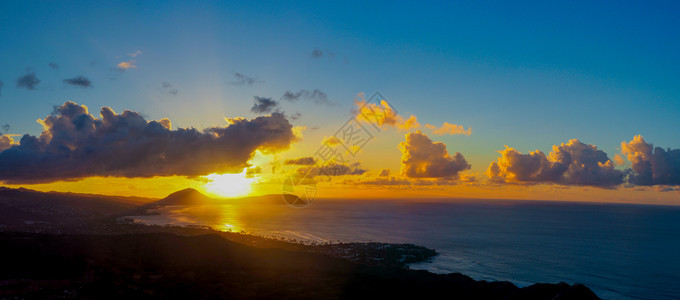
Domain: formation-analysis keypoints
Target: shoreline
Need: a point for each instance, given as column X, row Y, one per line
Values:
column 101, row 235
column 163, row 264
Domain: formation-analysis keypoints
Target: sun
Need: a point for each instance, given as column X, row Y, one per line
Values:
column 229, row 185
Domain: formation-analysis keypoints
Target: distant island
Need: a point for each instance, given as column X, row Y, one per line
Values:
column 65, row 245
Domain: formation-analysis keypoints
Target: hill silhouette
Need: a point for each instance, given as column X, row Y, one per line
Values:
column 190, row 196
column 25, row 207
column 186, row 196
column 170, row 266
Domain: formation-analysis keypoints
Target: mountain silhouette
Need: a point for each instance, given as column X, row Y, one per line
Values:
column 186, row 196
column 24, row 207
column 190, row 196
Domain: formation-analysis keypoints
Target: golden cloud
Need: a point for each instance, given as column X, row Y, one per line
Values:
column 423, row 158
column 573, row 163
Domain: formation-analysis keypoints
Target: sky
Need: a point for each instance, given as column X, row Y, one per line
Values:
column 249, row 88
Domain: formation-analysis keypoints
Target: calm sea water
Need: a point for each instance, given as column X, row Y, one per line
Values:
column 619, row 251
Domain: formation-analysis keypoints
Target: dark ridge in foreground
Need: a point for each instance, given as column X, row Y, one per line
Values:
column 209, row 266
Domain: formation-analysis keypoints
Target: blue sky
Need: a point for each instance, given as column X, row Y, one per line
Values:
column 528, row 75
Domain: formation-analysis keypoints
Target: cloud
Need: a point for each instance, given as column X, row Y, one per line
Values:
column 651, row 165
column 5, row 142
column 28, row 81
column 79, row 81
column 135, row 54
column 423, row 158
column 383, row 115
column 404, row 182
column 316, row 95
column 53, row 66
column 167, row 87
column 130, row 64
column 296, row 116
column 332, row 169
column 383, row 181
column 330, row 141
column 534, row 167
column 252, row 171
column 573, row 163
column 305, row 161
column 318, row 53
column 263, row 105
column 124, row 65
column 410, row 123
column 74, row 145
column 450, row 129
column 242, row 79
column 619, row 160
column 384, row 173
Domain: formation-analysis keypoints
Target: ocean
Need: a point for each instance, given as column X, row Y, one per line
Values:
column 620, row 251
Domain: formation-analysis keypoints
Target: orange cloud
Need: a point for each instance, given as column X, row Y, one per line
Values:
column 651, row 165
column 252, row 171
column 388, row 182
column 330, row 140
column 307, row 160
column 450, row 129
column 637, row 150
column 124, row 65
column 423, row 158
column 5, row 142
column 135, row 54
column 573, row 163
column 383, row 115
column 618, row 160
column 410, row 123
column 332, row 169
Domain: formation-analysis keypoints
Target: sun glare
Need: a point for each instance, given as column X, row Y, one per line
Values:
column 229, row 185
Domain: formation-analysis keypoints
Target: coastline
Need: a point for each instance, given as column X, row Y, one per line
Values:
column 162, row 264
column 100, row 245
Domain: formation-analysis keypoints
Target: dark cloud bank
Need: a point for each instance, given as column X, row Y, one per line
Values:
column 74, row 144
